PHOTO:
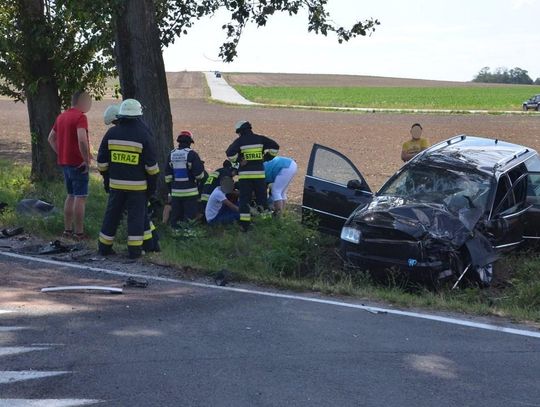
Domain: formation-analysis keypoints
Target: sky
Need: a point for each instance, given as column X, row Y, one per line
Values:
column 425, row 39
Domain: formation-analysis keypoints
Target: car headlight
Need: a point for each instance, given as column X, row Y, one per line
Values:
column 351, row 234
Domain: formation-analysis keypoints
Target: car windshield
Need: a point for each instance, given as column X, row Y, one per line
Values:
column 454, row 189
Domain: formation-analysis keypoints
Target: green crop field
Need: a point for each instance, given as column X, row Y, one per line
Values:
column 495, row 98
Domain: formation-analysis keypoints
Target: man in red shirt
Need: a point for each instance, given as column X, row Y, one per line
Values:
column 69, row 139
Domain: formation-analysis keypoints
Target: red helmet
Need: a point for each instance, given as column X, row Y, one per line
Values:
column 185, row 136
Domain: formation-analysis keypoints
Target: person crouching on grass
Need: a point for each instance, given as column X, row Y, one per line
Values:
column 69, row 140
column 220, row 209
column 279, row 172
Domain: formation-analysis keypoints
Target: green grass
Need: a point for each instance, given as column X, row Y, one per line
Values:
column 282, row 253
column 494, row 98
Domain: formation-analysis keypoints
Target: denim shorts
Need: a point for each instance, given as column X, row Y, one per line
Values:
column 76, row 181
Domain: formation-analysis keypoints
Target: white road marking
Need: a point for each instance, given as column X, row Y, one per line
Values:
column 5, row 311
column 15, row 350
column 11, row 328
column 46, row 402
column 418, row 315
column 10, row 376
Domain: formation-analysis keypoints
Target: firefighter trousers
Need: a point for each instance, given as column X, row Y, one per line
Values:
column 183, row 210
column 135, row 203
column 250, row 188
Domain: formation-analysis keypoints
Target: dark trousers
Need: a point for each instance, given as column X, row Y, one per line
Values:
column 183, row 210
column 151, row 237
column 135, row 203
column 248, row 188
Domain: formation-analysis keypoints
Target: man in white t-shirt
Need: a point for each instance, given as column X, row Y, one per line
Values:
column 219, row 209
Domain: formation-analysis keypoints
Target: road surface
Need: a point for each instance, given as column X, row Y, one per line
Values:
column 177, row 345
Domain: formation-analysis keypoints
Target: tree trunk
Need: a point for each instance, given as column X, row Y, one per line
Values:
column 43, row 107
column 139, row 61
column 42, row 97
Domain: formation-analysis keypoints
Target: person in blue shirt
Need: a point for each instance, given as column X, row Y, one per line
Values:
column 279, row 172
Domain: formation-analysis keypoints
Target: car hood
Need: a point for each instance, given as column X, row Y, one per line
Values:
column 419, row 220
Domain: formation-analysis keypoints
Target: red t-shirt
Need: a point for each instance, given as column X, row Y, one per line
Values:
column 67, row 142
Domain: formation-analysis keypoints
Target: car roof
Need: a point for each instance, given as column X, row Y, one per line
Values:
column 476, row 153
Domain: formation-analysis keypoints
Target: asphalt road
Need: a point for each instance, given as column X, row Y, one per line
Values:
column 172, row 345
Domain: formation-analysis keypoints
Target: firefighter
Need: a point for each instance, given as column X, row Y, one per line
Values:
column 129, row 168
column 151, row 237
column 214, row 179
column 184, row 172
column 250, row 150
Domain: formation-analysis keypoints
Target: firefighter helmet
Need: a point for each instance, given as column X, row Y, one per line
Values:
column 109, row 116
column 242, row 125
column 130, row 108
column 185, row 136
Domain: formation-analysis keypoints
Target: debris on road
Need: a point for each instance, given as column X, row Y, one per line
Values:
column 7, row 233
column 222, row 278
column 54, row 247
column 134, row 282
column 81, row 288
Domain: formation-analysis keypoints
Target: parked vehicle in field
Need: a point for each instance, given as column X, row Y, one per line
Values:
column 451, row 210
column 533, row 103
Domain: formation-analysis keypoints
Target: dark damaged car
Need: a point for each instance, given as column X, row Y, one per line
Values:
column 452, row 210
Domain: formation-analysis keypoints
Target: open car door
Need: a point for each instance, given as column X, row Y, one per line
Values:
column 532, row 225
column 333, row 189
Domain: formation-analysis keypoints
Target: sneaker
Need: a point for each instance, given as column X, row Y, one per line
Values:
column 67, row 234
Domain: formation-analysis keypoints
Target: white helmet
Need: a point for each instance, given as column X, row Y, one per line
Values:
column 109, row 116
column 130, row 108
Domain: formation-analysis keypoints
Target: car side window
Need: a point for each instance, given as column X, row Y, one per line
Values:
column 533, row 186
column 330, row 166
column 503, row 199
column 518, row 177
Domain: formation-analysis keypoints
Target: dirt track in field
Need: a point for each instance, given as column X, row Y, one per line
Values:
column 372, row 141
column 304, row 80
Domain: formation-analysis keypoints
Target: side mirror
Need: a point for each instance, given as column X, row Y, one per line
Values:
column 354, row 184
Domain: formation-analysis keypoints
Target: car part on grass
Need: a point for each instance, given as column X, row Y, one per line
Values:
column 222, row 278
column 82, row 288
column 35, row 207
column 136, row 282
column 54, row 247
column 7, row 233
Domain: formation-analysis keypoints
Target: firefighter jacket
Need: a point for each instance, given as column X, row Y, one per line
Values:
column 212, row 182
column 185, row 169
column 126, row 157
column 249, row 149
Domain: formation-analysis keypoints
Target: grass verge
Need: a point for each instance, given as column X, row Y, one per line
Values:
column 506, row 98
column 285, row 254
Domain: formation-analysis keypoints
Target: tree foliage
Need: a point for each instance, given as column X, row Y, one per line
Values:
column 516, row 76
column 177, row 16
column 71, row 36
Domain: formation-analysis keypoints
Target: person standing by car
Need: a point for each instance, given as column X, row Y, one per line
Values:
column 415, row 145
column 279, row 172
column 249, row 150
column 127, row 163
column 184, row 172
column 69, row 140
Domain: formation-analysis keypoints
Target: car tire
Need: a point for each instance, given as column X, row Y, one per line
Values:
column 525, row 108
column 538, row 108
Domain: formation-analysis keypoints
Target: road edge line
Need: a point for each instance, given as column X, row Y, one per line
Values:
column 418, row 315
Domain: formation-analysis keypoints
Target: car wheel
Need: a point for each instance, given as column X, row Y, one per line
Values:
column 525, row 108
column 538, row 108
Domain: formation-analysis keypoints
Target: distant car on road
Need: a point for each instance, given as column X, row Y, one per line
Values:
column 218, row 74
column 452, row 208
column 533, row 103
